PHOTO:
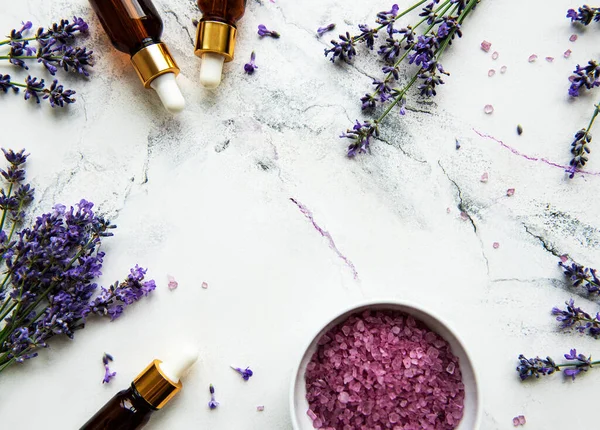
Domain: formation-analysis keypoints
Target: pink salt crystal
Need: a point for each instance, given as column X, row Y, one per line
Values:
column 448, row 210
column 496, row 245
column 488, row 109
column 464, row 216
column 484, row 177
column 311, row 414
column 491, row 73
column 172, row 282
column 485, row 45
column 510, row 192
column 550, row 59
column 495, row 55
column 573, row 38
column 567, row 53
column 450, row 368
column 522, row 419
column 564, row 258
column 516, row 422
column 503, row 69
column 260, row 408
column 344, row 397
column 532, row 58
column 205, row 285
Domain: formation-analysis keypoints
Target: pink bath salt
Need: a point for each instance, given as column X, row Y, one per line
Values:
column 532, row 58
column 403, row 376
column 172, row 282
column 464, row 216
column 503, row 69
column 519, row 421
column 205, row 285
column 550, row 59
column 485, row 45
column 496, row 245
column 573, row 38
column 567, row 53
column 564, row 258
column 488, row 109
column 522, row 420
column 260, row 408
column 484, row 178
column 448, row 210
column 491, row 73
column 510, row 192
column 495, row 55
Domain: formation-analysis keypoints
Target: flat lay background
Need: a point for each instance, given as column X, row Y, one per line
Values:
column 206, row 197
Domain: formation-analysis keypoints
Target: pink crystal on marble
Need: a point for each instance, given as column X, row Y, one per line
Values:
column 485, row 45
column 503, row 69
column 464, row 216
column 260, row 408
column 496, row 245
column 204, row 285
column 519, row 421
column 510, row 192
column 488, row 109
column 564, row 258
column 394, row 374
column 172, row 282
column 484, row 177
column 495, row 55
column 550, row 59
column 567, row 53
column 532, row 58
column 491, row 73
column 573, row 38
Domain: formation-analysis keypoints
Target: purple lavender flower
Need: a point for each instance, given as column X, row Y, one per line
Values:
column 6, row 84
column 18, row 34
column 33, row 88
column 430, row 14
column 581, row 276
column 322, row 30
column 583, row 363
column 408, row 34
column 58, row 96
column 361, row 135
column 584, row 15
column 431, row 79
column 245, row 373
column 263, row 31
column 344, row 48
column 423, row 52
column 108, row 375
column 367, row 35
column 213, row 404
column 250, row 66
column 388, row 18
column 70, row 59
column 530, row 367
column 65, row 31
column 390, row 50
column 586, row 77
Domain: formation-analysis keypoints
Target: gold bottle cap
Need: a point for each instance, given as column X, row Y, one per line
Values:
column 154, row 386
column 153, row 61
column 215, row 37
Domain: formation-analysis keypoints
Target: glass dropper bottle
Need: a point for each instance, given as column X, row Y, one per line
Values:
column 135, row 27
column 215, row 38
column 152, row 389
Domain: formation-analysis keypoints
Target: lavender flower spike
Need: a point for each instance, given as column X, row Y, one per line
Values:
column 263, row 31
column 322, row 30
column 584, row 15
column 246, row 373
column 250, row 66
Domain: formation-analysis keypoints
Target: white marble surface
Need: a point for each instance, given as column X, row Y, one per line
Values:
column 206, row 197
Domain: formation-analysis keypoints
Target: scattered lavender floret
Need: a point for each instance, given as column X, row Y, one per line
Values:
column 573, row 316
column 250, row 66
column 245, row 373
column 212, row 404
column 586, row 77
column 108, row 375
column 584, row 15
column 263, row 31
column 322, row 30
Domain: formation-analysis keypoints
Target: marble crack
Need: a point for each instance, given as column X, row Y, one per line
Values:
column 411, row 109
column 308, row 214
column 463, row 209
column 548, row 247
column 408, row 154
column 184, row 27
column 529, row 157
column 288, row 22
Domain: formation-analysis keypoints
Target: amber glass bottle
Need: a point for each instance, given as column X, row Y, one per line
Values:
column 135, row 27
column 215, row 39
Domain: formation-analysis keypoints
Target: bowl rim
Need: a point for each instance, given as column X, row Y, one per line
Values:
column 383, row 302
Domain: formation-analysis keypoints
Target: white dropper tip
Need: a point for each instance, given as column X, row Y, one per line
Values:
column 211, row 70
column 179, row 364
column 167, row 89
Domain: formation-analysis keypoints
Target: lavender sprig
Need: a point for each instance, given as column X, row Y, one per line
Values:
column 49, row 269
column 64, row 31
column 536, row 367
column 581, row 276
column 422, row 50
column 584, row 15
column 56, row 94
column 586, row 77
column 576, row 317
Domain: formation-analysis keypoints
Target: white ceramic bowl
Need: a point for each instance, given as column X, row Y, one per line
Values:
column 472, row 404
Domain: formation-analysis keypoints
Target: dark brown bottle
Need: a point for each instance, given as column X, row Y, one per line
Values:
column 135, row 27
column 125, row 411
column 152, row 389
column 215, row 39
